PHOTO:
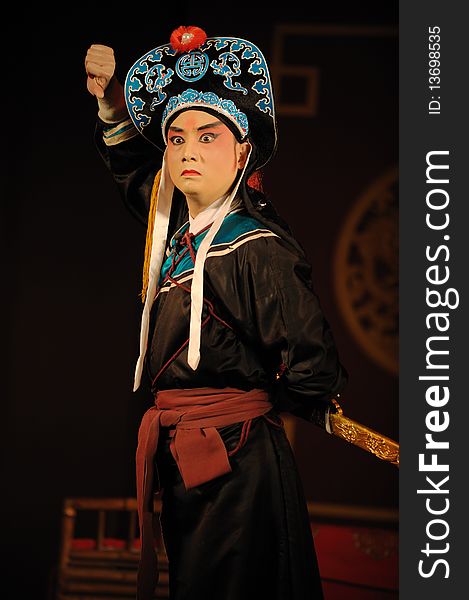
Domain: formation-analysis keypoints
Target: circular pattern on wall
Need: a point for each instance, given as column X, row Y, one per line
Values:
column 367, row 271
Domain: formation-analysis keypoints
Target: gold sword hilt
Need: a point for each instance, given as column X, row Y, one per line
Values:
column 362, row 436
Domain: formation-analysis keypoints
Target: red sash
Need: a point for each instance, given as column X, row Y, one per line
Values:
column 196, row 446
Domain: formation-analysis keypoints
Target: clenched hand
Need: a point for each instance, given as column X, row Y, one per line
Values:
column 100, row 65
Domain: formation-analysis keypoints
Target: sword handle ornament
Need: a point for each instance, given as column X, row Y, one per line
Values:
column 362, row 436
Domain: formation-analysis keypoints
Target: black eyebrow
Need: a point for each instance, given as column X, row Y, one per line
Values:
column 210, row 125
column 207, row 126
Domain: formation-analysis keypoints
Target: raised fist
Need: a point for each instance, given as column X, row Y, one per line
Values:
column 100, row 65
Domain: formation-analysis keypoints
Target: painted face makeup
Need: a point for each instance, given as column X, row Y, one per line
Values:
column 203, row 156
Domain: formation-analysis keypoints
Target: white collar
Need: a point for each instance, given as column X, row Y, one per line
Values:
column 205, row 216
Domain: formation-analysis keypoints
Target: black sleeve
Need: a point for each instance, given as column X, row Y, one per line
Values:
column 133, row 164
column 285, row 321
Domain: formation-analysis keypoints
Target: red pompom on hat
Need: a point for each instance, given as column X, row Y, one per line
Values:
column 184, row 39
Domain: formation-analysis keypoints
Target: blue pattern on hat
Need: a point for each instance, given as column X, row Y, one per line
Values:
column 190, row 98
column 192, row 66
column 258, row 66
column 223, row 68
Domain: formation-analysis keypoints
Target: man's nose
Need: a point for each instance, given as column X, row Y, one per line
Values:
column 190, row 150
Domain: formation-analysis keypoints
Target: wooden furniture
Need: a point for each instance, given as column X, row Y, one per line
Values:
column 99, row 550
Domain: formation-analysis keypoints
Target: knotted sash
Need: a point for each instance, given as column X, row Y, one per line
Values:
column 196, row 446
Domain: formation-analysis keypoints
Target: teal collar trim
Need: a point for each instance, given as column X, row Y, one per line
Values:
column 234, row 225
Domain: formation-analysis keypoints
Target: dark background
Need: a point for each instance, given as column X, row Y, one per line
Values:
column 73, row 258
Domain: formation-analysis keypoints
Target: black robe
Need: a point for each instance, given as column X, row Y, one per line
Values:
column 245, row 535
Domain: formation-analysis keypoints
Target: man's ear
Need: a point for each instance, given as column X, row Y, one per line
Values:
column 243, row 154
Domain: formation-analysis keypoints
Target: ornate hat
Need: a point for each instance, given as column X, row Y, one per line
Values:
column 227, row 76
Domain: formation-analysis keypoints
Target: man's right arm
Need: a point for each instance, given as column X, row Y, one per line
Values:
column 132, row 160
